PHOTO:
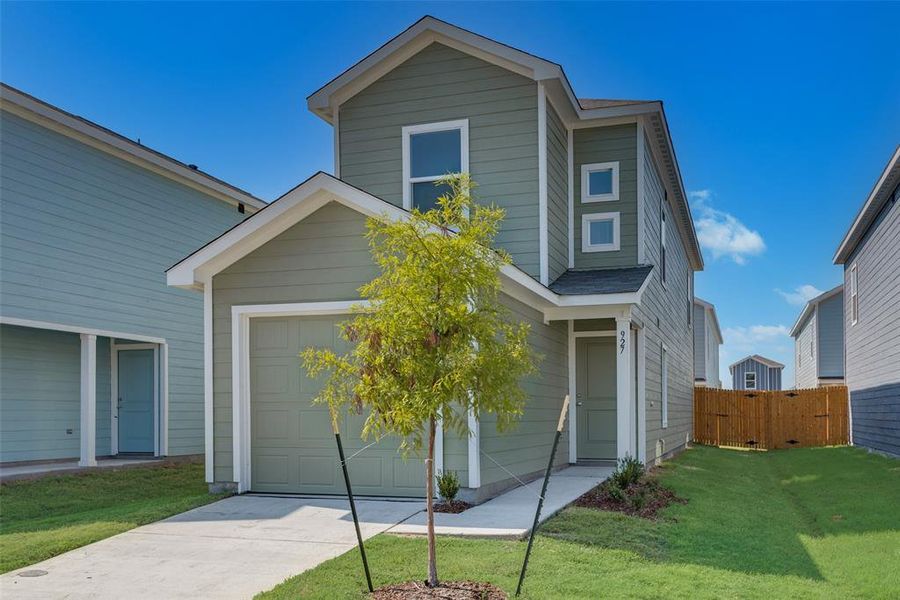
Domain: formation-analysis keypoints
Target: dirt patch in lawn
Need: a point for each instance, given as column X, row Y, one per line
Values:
column 455, row 507
column 645, row 498
column 447, row 590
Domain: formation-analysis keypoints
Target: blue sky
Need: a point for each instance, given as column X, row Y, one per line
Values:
column 783, row 115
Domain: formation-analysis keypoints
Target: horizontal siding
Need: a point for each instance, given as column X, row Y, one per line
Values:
column 609, row 144
column 700, row 333
column 557, row 195
column 526, row 448
column 85, row 239
column 40, row 384
column 873, row 343
column 663, row 311
column 443, row 84
column 805, row 355
column 875, row 418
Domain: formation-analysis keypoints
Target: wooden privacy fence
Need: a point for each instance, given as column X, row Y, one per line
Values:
column 771, row 419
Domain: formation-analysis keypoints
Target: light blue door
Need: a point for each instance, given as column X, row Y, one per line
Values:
column 135, row 401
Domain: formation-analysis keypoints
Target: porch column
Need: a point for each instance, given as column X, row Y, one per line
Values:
column 88, row 457
column 624, row 405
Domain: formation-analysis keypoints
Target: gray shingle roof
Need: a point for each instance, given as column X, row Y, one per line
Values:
column 601, row 281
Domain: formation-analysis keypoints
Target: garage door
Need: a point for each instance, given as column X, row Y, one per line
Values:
column 292, row 445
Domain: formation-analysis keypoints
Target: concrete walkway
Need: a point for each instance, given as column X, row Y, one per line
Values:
column 69, row 467
column 233, row 548
column 511, row 515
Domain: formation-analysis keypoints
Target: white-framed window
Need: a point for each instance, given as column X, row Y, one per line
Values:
column 854, row 294
column 662, row 237
column 750, row 380
column 600, row 232
column 600, row 182
column 664, row 365
column 431, row 151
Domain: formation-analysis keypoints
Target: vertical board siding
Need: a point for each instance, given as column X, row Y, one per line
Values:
column 443, row 84
column 609, row 144
column 85, row 239
column 805, row 355
column 40, row 384
column 664, row 315
column 557, row 194
column 830, row 353
column 873, row 342
column 771, row 419
column 526, row 448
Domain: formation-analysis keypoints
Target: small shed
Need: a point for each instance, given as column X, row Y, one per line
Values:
column 756, row 372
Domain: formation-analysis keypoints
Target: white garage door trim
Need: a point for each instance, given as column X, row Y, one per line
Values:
column 240, row 373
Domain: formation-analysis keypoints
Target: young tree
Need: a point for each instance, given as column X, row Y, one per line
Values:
column 434, row 342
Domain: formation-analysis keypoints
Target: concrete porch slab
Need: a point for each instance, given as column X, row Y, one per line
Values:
column 234, row 548
column 41, row 469
column 510, row 515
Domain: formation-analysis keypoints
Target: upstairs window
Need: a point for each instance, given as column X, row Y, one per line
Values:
column 431, row 151
column 600, row 182
column 854, row 295
column 600, row 232
column 750, row 381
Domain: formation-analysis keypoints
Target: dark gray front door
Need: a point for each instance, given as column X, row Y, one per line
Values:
column 595, row 395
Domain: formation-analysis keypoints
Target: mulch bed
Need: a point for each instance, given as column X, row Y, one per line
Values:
column 447, row 590
column 455, row 507
column 642, row 499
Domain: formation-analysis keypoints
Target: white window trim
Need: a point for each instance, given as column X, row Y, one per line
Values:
column 746, row 384
column 462, row 125
column 586, row 170
column 587, row 219
column 664, row 397
column 854, row 294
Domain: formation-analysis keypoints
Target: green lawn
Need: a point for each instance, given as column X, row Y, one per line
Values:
column 800, row 523
column 45, row 517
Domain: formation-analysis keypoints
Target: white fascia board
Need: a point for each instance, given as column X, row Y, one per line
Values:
column 106, row 140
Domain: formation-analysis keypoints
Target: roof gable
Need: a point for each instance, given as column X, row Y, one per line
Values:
column 759, row 359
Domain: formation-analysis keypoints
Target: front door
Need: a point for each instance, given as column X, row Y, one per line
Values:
column 595, row 395
column 135, row 400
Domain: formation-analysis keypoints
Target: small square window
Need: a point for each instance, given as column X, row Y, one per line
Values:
column 750, row 381
column 600, row 232
column 600, row 182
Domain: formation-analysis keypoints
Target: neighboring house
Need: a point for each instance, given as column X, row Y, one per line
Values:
column 819, row 341
column 597, row 224
column 707, row 339
column 870, row 254
column 756, row 372
column 98, row 356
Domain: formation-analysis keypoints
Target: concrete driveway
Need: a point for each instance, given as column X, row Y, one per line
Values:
column 233, row 548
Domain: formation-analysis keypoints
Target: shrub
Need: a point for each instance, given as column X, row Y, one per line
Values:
column 628, row 471
column 615, row 493
column 448, row 485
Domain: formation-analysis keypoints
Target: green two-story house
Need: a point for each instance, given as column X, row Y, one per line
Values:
column 597, row 223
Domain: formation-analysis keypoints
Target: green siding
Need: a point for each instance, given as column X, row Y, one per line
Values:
column 525, row 449
column 557, row 195
column 668, row 304
column 608, row 144
column 443, row 84
column 85, row 239
column 40, row 383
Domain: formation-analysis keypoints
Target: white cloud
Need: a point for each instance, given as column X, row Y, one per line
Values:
column 749, row 338
column 801, row 294
column 722, row 233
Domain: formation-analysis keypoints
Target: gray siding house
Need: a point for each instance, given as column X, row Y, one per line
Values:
column 597, row 223
column 870, row 255
column 756, row 372
column 707, row 339
column 98, row 356
column 819, row 341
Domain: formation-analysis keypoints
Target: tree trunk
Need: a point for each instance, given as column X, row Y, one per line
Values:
column 429, row 499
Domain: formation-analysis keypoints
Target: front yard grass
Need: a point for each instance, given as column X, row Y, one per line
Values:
column 45, row 517
column 799, row 523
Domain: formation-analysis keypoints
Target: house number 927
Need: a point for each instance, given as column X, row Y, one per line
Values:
column 621, row 341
